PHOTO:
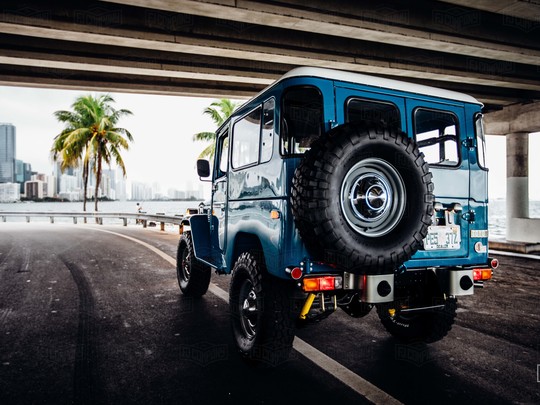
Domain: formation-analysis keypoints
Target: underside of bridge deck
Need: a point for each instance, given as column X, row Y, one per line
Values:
column 236, row 48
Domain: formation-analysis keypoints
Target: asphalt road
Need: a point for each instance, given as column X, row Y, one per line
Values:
column 89, row 317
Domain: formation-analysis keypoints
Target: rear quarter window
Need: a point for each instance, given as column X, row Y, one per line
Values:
column 437, row 135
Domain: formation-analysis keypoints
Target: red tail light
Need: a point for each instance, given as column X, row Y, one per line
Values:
column 482, row 274
column 323, row 283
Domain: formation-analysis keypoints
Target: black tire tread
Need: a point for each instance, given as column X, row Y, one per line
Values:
column 311, row 192
column 274, row 339
column 427, row 327
column 199, row 279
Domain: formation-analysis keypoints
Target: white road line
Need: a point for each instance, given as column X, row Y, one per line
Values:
column 339, row 371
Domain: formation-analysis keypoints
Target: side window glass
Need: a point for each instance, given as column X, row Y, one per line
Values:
column 373, row 113
column 302, row 119
column 223, row 155
column 480, row 140
column 267, row 134
column 437, row 136
column 246, row 140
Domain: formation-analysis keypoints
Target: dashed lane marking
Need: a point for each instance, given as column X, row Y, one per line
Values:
column 339, row 371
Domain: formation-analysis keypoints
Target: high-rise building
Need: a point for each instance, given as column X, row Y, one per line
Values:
column 141, row 191
column 9, row 192
column 40, row 186
column 23, row 173
column 58, row 173
column 7, row 153
column 108, row 184
column 121, row 193
column 35, row 189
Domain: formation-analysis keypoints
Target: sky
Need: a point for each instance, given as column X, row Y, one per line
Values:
column 162, row 127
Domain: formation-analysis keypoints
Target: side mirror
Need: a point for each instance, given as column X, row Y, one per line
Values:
column 203, row 168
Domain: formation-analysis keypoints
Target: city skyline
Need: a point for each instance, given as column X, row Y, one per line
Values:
column 163, row 127
column 18, row 180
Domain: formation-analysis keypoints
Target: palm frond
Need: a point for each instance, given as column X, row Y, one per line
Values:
column 208, row 152
column 204, row 136
column 219, row 111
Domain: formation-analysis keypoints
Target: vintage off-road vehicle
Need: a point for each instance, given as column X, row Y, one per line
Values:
column 340, row 190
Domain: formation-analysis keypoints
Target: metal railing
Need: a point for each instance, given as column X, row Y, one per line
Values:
column 143, row 218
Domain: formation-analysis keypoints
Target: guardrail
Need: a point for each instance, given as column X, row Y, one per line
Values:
column 143, row 219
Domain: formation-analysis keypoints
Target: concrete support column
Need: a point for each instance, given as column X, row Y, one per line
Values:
column 519, row 227
column 517, row 176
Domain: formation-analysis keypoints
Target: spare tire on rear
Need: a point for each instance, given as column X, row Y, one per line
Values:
column 362, row 198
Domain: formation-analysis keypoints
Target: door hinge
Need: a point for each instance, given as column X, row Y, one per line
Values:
column 469, row 143
column 469, row 216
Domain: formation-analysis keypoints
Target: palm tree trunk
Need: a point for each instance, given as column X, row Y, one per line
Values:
column 98, row 179
column 85, row 180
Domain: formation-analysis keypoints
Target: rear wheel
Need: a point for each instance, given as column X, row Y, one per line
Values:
column 430, row 326
column 193, row 276
column 403, row 319
column 262, row 316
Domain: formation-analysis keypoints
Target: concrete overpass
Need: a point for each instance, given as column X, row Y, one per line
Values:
column 235, row 48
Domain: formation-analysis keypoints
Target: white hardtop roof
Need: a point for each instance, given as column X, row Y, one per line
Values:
column 390, row 84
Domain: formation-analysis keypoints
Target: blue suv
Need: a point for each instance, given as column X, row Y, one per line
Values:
column 339, row 190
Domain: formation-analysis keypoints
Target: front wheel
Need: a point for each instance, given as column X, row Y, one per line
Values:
column 261, row 309
column 193, row 276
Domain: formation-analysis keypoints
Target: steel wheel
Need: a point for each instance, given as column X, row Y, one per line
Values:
column 249, row 311
column 193, row 276
column 185, row 266
column 262, row 319
column 373, row 197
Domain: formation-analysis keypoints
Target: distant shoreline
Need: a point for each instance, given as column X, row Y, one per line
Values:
column 52, row 200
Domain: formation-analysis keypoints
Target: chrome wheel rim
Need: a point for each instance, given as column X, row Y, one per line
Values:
column 248, row 309
column 373, row 197
column 186, row 265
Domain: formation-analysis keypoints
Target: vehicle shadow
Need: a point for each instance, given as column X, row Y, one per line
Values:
column 418, row 373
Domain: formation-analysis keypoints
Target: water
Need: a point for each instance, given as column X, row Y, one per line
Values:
column 149, row 207
column 497, row 216
column 497, row 219
column 497, row 210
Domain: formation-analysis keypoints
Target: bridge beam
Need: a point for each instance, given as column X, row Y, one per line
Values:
column 235, row 48
column 513, row 119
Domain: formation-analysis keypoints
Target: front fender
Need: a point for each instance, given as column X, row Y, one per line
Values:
column 204, row 234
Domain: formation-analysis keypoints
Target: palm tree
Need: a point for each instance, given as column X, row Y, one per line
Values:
column 219, row 111
column 91, row 135
column 71, row 145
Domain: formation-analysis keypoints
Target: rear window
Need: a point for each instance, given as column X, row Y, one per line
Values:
column 437, row 136
column 373, row 113
column 302, row 119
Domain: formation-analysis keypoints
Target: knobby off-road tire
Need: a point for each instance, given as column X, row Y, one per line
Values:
column 362, row 198
column 193, row 276
column 262, row 314
column 427, row 327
